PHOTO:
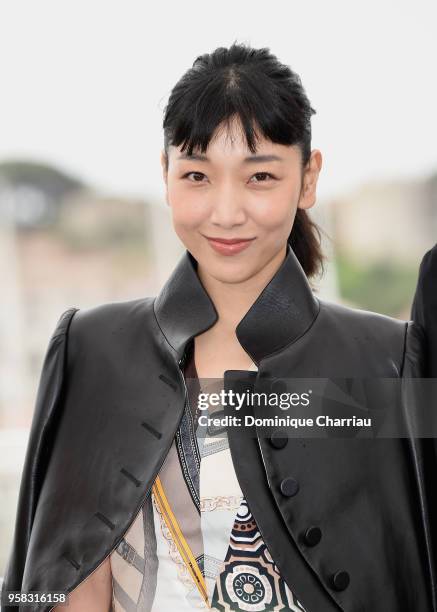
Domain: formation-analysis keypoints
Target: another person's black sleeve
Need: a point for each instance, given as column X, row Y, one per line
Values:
column 424, row 308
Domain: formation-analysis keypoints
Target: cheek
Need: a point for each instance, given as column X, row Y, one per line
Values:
column 276, row 211
column 188, row 209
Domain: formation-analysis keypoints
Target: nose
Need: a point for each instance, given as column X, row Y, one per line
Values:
column 227, row 206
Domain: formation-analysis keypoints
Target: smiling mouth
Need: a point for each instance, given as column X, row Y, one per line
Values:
column 228, row 240
column 229, row 246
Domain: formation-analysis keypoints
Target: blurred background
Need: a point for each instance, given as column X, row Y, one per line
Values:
column 82, row 213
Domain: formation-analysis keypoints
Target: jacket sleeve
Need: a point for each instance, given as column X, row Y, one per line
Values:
column 49, row 393
column 421, row 361
column 415, row 363
column 424, row 308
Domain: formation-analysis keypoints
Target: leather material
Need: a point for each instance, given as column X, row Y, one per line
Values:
column 284, row 310
column 111, row 397
column 424, row 308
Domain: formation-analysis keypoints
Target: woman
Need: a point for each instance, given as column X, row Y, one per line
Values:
column 110, row 501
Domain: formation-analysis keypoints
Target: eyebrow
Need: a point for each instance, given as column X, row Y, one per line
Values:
column 250, row 159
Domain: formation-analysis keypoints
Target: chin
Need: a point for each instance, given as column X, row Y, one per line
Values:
column 230, row 270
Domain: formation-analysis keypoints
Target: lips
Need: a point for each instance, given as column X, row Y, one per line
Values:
column 229, row 246
column 228, row 240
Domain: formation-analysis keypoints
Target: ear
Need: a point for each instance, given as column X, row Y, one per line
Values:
column 163, row 161
column 163, row 165
column 308, row 194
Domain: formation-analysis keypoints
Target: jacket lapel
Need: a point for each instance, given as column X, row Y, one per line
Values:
column 283, row 311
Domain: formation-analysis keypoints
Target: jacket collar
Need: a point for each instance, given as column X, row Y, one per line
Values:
column 283, row 311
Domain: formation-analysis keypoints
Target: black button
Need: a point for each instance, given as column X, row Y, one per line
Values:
column 313, row 536
column 289, row 487
column 340, row 580
column 279, row 439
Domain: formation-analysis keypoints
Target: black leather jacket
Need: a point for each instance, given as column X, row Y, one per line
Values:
column 424, row 308
column 110, row 399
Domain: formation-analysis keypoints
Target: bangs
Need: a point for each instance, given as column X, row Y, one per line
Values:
column 252, row 98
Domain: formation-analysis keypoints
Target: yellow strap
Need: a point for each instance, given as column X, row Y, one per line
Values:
column 179, row 539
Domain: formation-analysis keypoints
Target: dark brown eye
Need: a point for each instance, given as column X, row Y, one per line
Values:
column 263, row 176
column 198, row 175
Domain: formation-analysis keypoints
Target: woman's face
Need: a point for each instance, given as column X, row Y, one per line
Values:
column 230, row 193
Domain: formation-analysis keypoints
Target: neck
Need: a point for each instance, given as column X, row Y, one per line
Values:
column 233, row 300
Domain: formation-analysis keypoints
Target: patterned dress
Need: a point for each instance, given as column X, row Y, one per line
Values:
column 195, row 544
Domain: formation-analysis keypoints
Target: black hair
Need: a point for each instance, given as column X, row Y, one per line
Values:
column 265, row 95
